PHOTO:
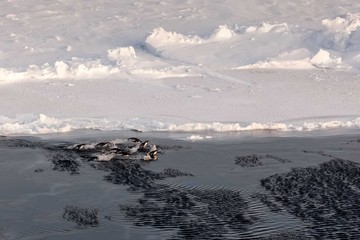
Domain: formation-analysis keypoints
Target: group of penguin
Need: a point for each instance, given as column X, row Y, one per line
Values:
column 131, row 148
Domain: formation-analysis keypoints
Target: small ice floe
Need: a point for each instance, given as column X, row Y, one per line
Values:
column 197, row 137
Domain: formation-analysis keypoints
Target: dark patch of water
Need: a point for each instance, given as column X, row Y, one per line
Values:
column 327, row 195
column 64, row 161
column 195, row 213
column 254, row 160
column 81, row 216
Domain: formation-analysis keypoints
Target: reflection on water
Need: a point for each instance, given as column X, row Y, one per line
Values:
column 265, row 188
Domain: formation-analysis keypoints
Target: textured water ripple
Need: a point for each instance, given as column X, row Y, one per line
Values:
column 327, row 195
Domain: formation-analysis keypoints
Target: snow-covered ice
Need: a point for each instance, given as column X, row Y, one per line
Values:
column 196, row 66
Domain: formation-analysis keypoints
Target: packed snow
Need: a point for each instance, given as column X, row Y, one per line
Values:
column 194, row 66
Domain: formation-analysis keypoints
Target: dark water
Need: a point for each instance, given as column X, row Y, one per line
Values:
column 268, row 187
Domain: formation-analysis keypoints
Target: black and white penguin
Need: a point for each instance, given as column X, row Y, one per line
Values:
column 80, row 147
column 151, row 156
column 143, row 144
column 119, row 152
column 104, row 145
column 134, row 140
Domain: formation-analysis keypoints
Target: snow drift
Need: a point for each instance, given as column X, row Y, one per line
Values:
column 245, row 47
column 43, row 124
column 196, row 66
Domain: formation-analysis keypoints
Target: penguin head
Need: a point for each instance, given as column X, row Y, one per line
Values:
column 144, row 144
column 153, row 154
column 80, row 147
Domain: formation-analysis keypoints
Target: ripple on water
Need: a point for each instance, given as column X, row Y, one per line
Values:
column 305, row 203
column 206, row 213
column 327, row 196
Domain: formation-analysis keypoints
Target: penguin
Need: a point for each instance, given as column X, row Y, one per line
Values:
column 134, row 140
column 135, row 148
column 153, row 148
column 80, row 147
column 104, row 145
column 119, row 152
column 144, row 146
column 151, row 156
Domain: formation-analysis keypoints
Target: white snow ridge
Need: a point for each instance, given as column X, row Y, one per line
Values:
column 196, row 66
